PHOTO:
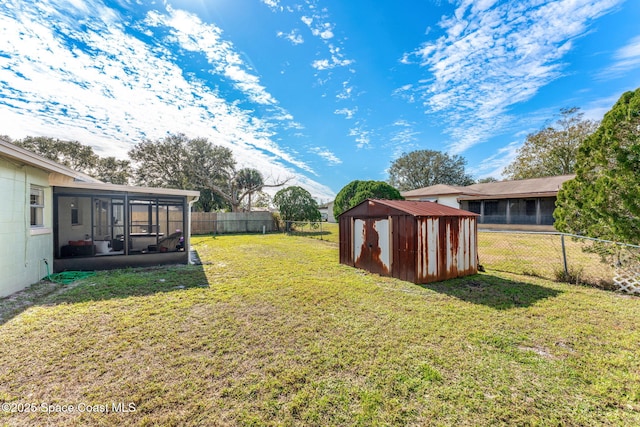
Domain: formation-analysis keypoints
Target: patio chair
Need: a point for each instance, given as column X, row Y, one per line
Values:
column 170, row 243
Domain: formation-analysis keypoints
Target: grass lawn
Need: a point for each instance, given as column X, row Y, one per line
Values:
column 271, row 330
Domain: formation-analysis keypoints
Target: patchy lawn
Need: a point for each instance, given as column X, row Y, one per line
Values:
column 271, row 330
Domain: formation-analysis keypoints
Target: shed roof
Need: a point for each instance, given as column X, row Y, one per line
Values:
column 411, row 207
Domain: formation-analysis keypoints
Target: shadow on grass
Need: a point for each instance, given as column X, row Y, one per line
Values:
column 105, row 285
column 494, row 292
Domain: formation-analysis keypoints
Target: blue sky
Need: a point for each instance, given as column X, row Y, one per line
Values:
column 325, row 91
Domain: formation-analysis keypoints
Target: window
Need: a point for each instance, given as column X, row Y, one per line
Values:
column 75, row 212
column 36, row 203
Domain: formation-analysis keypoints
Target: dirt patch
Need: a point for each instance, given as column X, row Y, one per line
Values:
column 35, row 294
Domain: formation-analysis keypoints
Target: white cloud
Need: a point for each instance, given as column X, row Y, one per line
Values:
column 324, row 30
column 321, row 64
column 494, row 165
column 348, row 113
column 494, row 55
column 293, row 36
column 115, row 90
column 273, row 4
column 337, row 60
column 627, row 59
column 328, row 155
column 362, row 136
column 191, row 34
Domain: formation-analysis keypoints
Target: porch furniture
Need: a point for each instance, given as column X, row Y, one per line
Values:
column 171, row 243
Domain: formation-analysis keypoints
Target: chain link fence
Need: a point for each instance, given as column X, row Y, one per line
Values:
column 315, row 229
column 562, row 257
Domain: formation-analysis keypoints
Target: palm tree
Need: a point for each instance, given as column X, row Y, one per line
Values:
column 248, row 181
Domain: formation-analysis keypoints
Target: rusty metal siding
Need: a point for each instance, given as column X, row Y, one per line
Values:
column 372, row 245
column 345, row 236
column 404, row 248
column 447, row 248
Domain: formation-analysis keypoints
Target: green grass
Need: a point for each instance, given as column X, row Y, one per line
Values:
column 271, row 330
column 320, row 230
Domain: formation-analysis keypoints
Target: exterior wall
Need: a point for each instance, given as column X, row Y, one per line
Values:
column 330, row 217
column 447, row 200
column 447, row 248
column 24, row 249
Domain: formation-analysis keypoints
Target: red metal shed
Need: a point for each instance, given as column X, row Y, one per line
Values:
column 420, row 242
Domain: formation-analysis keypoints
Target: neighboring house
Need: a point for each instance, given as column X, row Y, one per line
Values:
column 326, row 211
column 53, row 219
column 526, row 204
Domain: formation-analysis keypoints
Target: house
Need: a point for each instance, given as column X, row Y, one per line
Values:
column 525, row 205
column 326, row 212
column 420, row 242
column 54, row 219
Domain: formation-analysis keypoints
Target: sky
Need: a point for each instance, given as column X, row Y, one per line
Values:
column 321, row 92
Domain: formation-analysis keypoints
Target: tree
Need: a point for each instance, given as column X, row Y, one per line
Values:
column 249, row 181
column 262, row 200
column 552, row 151
column 71, row 154
column 486, row 180
column 423, row 168
column 210, row 201
column 358, row 191
column 603, row 200
column 110, row 169
column 191, row 164
column 296, row 204
column 168, row 162
column 79, row 157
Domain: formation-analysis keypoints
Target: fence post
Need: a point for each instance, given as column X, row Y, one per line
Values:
column 564, row 257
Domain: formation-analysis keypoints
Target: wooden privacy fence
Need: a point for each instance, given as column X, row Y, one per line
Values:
column 232, row 222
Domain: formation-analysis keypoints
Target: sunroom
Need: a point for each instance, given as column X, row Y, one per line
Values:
column 102, row 226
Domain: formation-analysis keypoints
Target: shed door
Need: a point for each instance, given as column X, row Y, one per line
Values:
column 371, row 245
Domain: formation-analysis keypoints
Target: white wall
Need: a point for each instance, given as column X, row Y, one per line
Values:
column 23, row 249
column 451, row 201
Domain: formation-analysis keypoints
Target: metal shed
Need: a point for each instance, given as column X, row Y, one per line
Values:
column 420, row 242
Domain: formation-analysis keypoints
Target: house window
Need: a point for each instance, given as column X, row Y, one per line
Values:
column 75, row 212
column 36, row 204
